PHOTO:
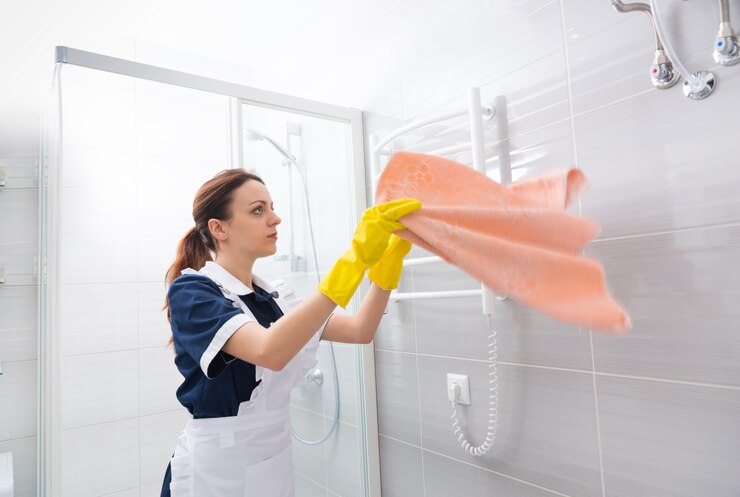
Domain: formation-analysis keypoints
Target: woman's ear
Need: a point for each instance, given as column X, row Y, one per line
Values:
column 218, row 229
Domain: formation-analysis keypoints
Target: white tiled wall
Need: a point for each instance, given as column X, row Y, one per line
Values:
column 581, row 414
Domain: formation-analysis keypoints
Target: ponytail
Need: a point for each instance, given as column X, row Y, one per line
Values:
column 192, row 252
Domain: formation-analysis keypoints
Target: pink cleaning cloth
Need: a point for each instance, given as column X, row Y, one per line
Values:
column 515, row 239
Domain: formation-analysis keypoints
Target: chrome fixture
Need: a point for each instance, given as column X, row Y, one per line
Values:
column 254, row 135
column 297, row 263
column 698, row 85
column 662, row 74
column 726, row 49
column 316, row 376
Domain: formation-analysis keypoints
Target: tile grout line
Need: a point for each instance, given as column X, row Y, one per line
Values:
column 596, row 411
column 731, row 224
column 581, row 371
column 418, row 391
column 580, row 212
column 497, row 473
column 626, row 376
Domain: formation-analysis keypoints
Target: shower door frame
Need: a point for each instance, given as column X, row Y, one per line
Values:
column 48, row 447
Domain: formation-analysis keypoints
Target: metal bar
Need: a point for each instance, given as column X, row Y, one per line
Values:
column 253, row 96
column 435, row 295
column 415, row 125
column 422, row 260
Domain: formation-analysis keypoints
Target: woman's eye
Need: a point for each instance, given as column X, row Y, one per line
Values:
column 258, row 210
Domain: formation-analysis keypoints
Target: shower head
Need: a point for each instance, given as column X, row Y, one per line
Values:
column 253, row 135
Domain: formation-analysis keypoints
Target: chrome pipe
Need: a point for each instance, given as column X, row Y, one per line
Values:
column 662, row 74
column 639, row 7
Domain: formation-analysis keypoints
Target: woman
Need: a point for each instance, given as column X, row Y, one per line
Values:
column 242, row 344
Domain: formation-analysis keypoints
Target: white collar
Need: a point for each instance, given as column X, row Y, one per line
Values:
column 230, row 282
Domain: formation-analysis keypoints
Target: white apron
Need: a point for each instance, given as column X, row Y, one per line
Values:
column 248, row 454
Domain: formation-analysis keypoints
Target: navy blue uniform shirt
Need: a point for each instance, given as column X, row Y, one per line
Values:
column 198, row 311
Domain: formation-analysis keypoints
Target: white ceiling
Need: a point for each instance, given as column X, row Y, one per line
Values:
column 242, row 32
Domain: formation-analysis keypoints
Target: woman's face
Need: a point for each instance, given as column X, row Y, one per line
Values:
column 252, row 229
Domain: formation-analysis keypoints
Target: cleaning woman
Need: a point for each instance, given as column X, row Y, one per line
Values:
column 242, row 344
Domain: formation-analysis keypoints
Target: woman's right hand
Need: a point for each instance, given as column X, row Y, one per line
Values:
column 368, row 245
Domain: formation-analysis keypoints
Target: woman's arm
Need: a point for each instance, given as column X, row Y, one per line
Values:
column 361, row 327
column 274, row 347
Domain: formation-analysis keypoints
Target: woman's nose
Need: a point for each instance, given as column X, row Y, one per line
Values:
column 276, row 220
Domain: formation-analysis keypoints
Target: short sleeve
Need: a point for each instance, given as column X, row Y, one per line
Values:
column 202, row 320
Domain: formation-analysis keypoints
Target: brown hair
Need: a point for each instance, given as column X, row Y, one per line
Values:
column 212, row 201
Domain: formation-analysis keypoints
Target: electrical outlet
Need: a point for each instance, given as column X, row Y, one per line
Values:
column 462, row 380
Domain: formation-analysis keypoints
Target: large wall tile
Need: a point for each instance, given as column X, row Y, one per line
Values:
column 346, row 363
column 157, row 439
column 157, row 248
column 158, row 381
column 170, row 185
column 97, row 115
column 93, row 168
column 546, row 429
column 24, row 465
column 668, row 439
column 653, row 168
column 470, row 57
column 18, row 329
column 100, row 459
column 19, row 228
column 444, row 476
column 154, row 329
column 307, row 488
column 108, row 200
column 98, row 249
column 182, row 127
column 343, row 465
column 398, row 395
column 97, row 318
column 98, row 388
column 18, row 393
column 527, row 336
column 396, row 330
column 309, row 460
column 536, row 94
column 450, row 326
column 681, row 290
column 19, row 236
column 400, row 469
column 151, row 490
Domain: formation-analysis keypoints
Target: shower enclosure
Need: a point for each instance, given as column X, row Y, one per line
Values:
column 126, row 148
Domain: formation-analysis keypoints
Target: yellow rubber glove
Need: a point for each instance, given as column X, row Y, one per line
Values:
column 368, row 245
column 387, row 272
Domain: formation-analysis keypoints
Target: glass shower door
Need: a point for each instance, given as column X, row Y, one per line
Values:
column 129, row 157
column 129, row 146
column 304, row 161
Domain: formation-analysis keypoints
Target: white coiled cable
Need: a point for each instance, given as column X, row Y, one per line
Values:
column 481, row 449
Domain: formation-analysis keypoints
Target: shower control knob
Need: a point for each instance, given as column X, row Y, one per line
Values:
column 315, row 375
column 726, row 51
column 663, row 75
column 726, row 45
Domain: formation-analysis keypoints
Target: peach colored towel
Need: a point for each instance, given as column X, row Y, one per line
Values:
column 517, row 240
